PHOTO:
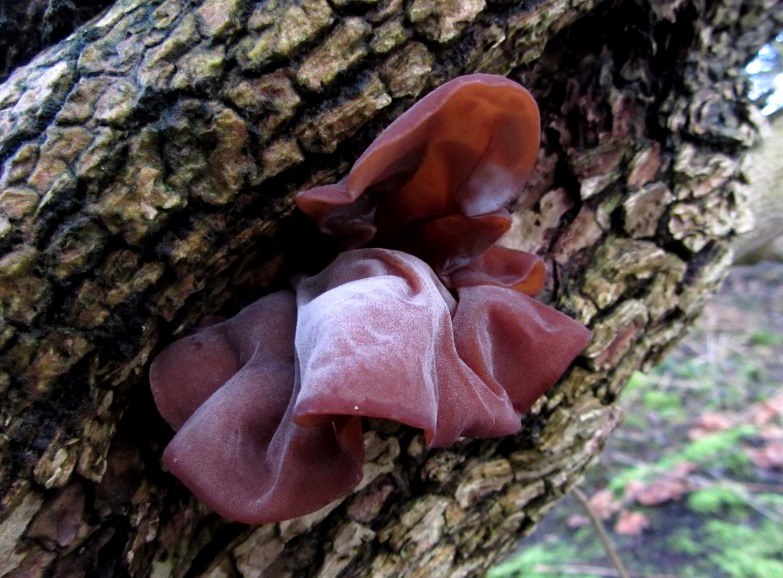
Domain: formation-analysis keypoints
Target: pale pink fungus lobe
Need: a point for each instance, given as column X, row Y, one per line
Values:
column 432, row 325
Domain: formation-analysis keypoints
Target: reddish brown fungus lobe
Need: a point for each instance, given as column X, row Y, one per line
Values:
column 433, row 325
column 438, row 181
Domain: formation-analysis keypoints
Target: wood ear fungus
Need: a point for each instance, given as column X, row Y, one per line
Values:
column 423, row 319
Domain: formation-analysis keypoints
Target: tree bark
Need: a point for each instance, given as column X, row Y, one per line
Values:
column 27, row 27
column 148, row 168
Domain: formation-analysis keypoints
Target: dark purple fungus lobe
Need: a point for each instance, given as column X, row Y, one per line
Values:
column 239, row 450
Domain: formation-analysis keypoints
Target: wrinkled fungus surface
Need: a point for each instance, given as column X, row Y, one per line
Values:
column 423, row 319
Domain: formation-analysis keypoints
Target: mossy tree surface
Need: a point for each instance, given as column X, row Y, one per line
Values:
column 148, row 168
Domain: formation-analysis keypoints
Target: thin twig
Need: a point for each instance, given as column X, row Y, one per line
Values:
column 611, row 551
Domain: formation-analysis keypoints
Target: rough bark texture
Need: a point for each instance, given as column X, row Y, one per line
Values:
column 148, row 166
column 27, row 27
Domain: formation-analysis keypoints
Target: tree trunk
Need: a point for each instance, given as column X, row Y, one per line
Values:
column 765, row 180
column 148, row 168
